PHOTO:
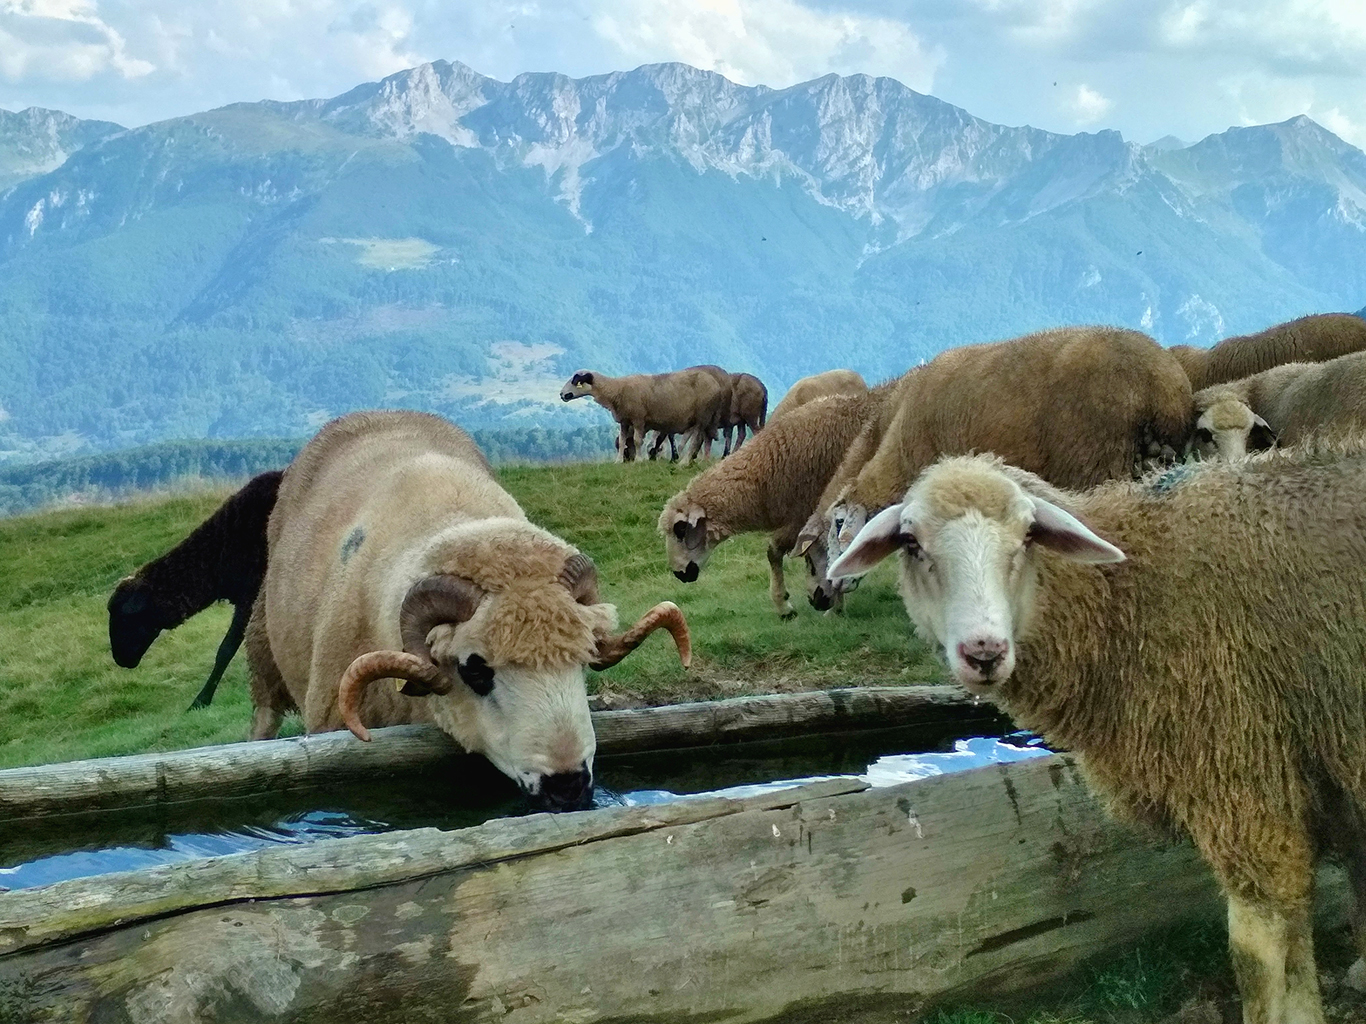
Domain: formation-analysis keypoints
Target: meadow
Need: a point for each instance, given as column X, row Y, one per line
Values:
column 62, row 697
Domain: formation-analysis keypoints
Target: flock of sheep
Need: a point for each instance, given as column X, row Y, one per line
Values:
column 1085, row 522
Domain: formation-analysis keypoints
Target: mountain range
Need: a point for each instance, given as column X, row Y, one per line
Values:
column 443, row 240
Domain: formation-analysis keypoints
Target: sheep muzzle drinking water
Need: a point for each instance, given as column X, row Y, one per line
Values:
column 528, row 715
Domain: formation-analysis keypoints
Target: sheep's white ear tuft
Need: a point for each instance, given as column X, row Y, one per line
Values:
column 879, row 537
column 1060, row 531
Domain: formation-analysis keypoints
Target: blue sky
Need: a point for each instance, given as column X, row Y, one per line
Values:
column 1146, row 67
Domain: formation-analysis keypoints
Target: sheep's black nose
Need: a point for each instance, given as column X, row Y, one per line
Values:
column 820, row 600
column 688, row 575
column 565, row 791
column 566, row 396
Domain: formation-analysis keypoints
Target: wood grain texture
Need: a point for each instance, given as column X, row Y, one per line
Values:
column 327, row 759
column 813, row 904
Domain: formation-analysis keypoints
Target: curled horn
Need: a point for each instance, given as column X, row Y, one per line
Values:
column 665, row 615
column 429, row 603
column 384, row 665
column 580, row 577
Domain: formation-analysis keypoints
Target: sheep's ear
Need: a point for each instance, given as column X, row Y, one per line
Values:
column 879, row 537
column 1060, row 531
column 582, row 378
column 809, row 535
column 1262, row 436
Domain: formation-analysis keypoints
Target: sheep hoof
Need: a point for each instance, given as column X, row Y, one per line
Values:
column 788, row 615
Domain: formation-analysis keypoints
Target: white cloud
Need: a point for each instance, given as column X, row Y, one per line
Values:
column 1088, row 106
column 62, row 40
column 770, row 42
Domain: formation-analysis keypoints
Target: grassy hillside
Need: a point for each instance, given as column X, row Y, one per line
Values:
column 62, row 697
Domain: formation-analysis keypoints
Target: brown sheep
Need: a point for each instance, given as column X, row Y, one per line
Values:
column 223, row 559
column 671, row 403
column 748, row 407
column 395, row 554
column 1285, row 404
column 1077, row 405
column 819, row 385
column 1310, row 339
column 770, row 484
column 1212, row 680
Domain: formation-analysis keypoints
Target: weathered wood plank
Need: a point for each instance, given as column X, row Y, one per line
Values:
column 836, row 902
column 332, row 758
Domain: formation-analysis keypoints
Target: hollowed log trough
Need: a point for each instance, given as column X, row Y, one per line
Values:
column 827, row 902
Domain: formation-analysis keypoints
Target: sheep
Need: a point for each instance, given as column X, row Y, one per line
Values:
column 670, row 403
column 770, row 484
column 223, row 559
column 1078, row 405
column 1310, row 339
column 748, row 408
column 819, row 385
column 1282, row 404
column 395, row 554
column 1204, row 660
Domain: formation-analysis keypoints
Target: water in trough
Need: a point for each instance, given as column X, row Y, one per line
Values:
column 99, row 843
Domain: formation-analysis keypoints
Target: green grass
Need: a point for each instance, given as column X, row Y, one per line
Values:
column 1144, row 984
column 62, row 697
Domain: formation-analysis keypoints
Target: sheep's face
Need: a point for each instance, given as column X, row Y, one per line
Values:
column 687, row 544
column 577, row 386
column 823, row 540
column 1229, row 430
column 967, row 535
column 135, row 620
column 532, row 723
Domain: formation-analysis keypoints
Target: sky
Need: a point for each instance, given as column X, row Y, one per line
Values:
column 1148, row 68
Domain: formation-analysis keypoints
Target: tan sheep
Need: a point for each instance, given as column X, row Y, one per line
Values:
column 1078, row 405
column 748, row 407
column 1212, row 680
column 770, row 484
column 819, row 385
column 395, row 554
column 1310, row 339
column 1285, row 404
column 672, row 403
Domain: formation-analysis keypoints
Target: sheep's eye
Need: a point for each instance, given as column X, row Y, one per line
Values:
column 912, row 547
column 680, row 528
column 1204, row 436
column 839, row 524
column 477, row 674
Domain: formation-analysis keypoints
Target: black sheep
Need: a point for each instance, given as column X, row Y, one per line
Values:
column 223, row 559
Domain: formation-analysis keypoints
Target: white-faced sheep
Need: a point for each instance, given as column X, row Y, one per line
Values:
column 1310, row 339
column 395, row 554
column 1211, row 677
column 1285, row 404
column 1077, row 405
column 223, row 559
column 819, row 385
column 770, row 484
column 671, row 403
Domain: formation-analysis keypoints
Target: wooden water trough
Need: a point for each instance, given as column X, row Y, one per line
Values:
column 827, row 902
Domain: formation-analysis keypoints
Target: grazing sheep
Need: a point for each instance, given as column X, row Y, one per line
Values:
column 1310, row 339
column 1282, row 404
column 223, row 559
column 671, row 403
column 770, row 484
column 819, row 385
column 395, row 554
column 748, row 408
column 1077, row 405
column 1211, row 679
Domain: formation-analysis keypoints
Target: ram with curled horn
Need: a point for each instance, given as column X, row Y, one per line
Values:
column 395, row 555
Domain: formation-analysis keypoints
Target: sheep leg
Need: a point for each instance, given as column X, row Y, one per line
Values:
column 739, row 435
column 1352, row 847
column 1258, row 943
column 624, row 442
column 270, row 697
column 660, row 437
column 726, row 432
column 673, row 448
column 696, row 445
column 638, row 441
column 232, row 640
column 777, row 591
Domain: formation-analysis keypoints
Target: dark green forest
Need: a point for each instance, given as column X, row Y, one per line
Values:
column 174, row 464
